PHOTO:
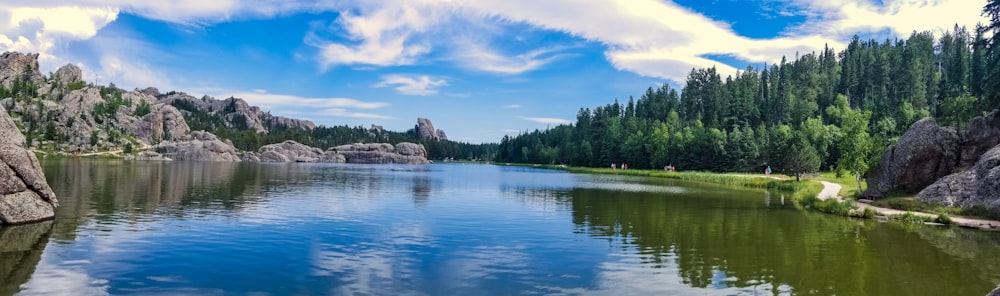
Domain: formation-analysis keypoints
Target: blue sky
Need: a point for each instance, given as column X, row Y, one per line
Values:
column 477, row 69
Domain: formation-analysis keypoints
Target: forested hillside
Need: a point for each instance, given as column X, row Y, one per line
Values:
column 827, row 110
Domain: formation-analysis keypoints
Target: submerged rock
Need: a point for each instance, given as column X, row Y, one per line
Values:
column 925, row 153
column 25, row 196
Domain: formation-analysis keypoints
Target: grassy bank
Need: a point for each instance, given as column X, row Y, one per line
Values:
column 804, row 193
column 744, row 180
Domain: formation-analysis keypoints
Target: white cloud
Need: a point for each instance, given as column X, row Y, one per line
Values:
column 844, row 18
column 421, row 85
column 383, row 35
column 547, row 120
column 513, row 106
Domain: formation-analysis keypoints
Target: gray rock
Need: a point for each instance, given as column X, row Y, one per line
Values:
column 25, row 196
column 200, row 146
column 995, row 292
column 16, row 66
column 148, row 155
column 237, row 113
column 977, row 186
column 411, row 149
column 151, row 91
column 925, row 153
column 24, row 207
column 982, row 133
column 379, row 153
column 68, row 74
column 164, row 122
column 292, row 151
column 425, row 130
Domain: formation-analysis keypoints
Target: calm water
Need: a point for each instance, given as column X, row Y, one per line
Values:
column 449, row 229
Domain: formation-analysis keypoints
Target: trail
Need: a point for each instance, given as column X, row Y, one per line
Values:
column 830, row 190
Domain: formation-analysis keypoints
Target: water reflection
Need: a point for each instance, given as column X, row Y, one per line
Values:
column 285, row 229
column 20, row 250
column 784, row 251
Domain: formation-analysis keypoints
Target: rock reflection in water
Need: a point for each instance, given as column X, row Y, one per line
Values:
column 21, row 248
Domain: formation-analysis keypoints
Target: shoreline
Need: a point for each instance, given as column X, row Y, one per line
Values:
column 830, row 191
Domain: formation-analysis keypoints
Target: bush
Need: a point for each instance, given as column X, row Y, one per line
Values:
column 142, row 109
column 75, row 85
column 943, row 219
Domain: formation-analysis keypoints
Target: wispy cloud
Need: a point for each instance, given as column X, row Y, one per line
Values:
column 269, row 99
column 340, row 112
column 546, row 120
column 422, row 85
column 383, row 34
column 476, row 56
column 513, row 106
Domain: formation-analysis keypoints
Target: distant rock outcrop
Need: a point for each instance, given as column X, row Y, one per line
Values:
column 236, row 112
column 16, row 66
column 925, row 153
column 402, row 153
column 25, row 196
column 291, row 151
column 425, row 130
column 199, row 145
column 977, row 186
column 68, row 74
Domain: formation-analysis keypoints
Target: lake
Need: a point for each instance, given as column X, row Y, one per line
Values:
column 202, row 228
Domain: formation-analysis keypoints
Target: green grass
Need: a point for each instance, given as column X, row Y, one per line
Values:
column 744, row 180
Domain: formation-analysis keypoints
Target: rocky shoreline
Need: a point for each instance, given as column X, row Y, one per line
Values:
column 944, row 166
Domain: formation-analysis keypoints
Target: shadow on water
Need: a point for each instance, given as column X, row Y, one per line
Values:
column 20, row 251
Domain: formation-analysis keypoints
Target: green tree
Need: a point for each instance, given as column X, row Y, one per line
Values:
column 801, row 158
column 855, row 143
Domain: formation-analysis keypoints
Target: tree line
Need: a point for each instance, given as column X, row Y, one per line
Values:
column 827, row 110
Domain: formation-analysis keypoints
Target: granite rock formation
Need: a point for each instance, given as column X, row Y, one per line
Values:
column 924, row 154
column 976, row 186
column 425, row 130
column 199, row 145
column 982, row 134
column 402, row 153
column 16, row 66
column 235, row 112
column 291, row 151
column 25, row 196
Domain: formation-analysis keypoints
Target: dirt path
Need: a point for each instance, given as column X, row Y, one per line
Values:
column 830, row 190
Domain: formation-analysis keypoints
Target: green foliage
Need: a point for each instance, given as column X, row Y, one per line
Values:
column 75, row 85
column 142, row 109
column 128, row 148
column 957, row 111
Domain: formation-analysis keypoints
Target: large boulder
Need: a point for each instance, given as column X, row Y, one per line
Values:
column 292, row 151
column 199, row 145
column 924, row 154
column 378, row 153
column 977, row 186
column 25, row 196
column 982, row 134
